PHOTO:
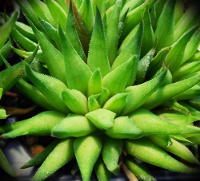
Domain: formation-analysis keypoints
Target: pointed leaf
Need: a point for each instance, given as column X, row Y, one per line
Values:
column 111, row 151
column 142, row 148
column 101, row 171
column 138, row 169
column 34, row 94
column 87, row 150
column 112, row 32
column 175, row 57
column 165, row 26
column 143, row 66
column 101, row 118
column 132, row 48
column 6, row 29
column 116, row 103
column 169, row 91
column 4, row 164
column 11, row 75
column 97, row 57
column 42, row 124
column 57, row 12
column 72, row 34
column 82, row 31
column 123, row 128
column 61, row 154
column 53, row 58
column 76, row 78
column 141, row 93
column 116, row 80
column 75, row 100
column 105, row 95
column 73, row 126
column 93, row 104
column 86, row 12
column 95, row 83
column 49, row 86
column 152, row 124
column 40, row 158
column 148, row 34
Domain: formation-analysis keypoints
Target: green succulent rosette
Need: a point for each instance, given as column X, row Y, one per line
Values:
column 104, row 71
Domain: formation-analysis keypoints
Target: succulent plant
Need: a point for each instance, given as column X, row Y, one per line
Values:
column 119, row 80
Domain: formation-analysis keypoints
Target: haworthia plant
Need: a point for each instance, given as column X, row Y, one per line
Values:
column 119, row 81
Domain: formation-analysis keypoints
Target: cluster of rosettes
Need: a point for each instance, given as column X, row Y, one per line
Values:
column 104, row 71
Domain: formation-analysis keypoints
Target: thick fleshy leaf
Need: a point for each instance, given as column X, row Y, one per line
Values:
column 152, row 124
column 169, row 91
column 34, row 94
column 97, row 57
column 5, row 50
column 193, row 111
column 188, row 94
column 57, row 12
column 165, row 26
column 50, row 87
column 143, row 66
column 191, row 47
column 87, row 150
column 4, row 164
column 134, row 17
column 148, row 34
column 175, row 57
column 142, row 148
column 29, row 12
column 177, row 149
column 179, row 10
column 138, row 169
column 157, row 61
column 156, row 11
column 93, row 104
column 140, row 93
column 105, row 95
column 42, row 124
column 195, row 102
column 111, row 152
column 61, row 154
column 53, row 58
column 101, row 118
column 123, row 128
column 101, row 171
column 86, row 12
column 116, row 103
column 178, row 118
column 11, row 75
column 72, row 34
column 82, row 31
column 26, row 30
column 73, row 126
column 51, row 32
column 40, row 158
column 6, row 29
column 75, row 101
column 132, row 48
column 116, row 80
column 76, row 78
column 161, row 140
column 189, row 19
column 23, row 41
column 186, row 69
column 112, row 32
column 42, row 10
column 95, row 83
